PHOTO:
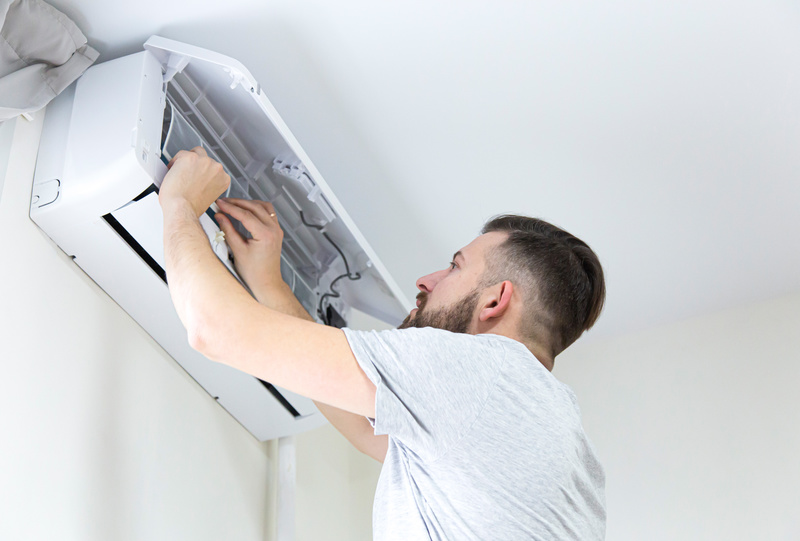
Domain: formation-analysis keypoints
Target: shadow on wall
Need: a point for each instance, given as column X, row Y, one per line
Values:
column 6, row 135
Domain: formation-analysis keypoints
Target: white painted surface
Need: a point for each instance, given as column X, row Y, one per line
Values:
column 287, row 482
column 664, row 133
column 6, row 135
column 697, row 424
column 105, row 436
column 335, row 488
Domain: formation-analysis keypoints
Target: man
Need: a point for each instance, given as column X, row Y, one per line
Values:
column 478, row 439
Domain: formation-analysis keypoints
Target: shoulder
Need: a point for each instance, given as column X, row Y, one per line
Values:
column 521, row 365
column 427, row 340
column 427, row 352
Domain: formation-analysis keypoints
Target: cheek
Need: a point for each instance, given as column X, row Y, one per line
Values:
column 444, row 295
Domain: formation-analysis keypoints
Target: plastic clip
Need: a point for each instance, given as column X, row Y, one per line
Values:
column 175, row 64
column 236, row 77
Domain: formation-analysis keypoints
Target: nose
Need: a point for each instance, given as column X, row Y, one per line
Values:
column 428, row 282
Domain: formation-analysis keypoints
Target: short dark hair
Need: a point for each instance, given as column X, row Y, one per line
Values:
column 560, row 276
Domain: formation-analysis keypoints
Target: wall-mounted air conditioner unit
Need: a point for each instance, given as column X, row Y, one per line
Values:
column 102, row 156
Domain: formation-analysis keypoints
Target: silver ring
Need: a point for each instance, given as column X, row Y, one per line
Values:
column 272, row 215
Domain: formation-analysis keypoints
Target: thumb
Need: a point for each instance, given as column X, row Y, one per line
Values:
column 233, row 238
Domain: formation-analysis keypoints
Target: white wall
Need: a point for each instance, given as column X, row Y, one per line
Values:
column 697, row 424
column 104, row 436
column 335, row 488
column 335, row 483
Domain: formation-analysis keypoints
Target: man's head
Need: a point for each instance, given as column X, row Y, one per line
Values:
column 524, row 278
column 448, row 298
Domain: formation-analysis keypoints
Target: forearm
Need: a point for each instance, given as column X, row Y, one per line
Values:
column 357, row 430
column 225, row 323
column 200, row 286
column 280, row 297
column 354, row 427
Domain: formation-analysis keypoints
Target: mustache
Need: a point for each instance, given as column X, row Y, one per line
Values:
column 422, row 297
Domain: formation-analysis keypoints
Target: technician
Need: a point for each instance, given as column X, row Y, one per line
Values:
column 478, row 440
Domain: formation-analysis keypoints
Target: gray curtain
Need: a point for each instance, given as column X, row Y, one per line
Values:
column 41, row 53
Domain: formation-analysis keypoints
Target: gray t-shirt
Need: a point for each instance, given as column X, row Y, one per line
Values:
column 484, row 443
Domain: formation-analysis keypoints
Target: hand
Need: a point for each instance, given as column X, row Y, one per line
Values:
column 257, row 260
column 195, row 178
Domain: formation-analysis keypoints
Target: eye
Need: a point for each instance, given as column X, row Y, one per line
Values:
column 453, row 265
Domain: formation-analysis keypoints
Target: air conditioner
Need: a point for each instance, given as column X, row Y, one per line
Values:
column 102, row 156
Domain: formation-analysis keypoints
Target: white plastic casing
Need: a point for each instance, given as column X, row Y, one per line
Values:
column 100, row 150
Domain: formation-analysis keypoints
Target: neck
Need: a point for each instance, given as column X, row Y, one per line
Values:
column 541, row 353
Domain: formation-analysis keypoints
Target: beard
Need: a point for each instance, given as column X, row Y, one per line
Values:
column 454, row 318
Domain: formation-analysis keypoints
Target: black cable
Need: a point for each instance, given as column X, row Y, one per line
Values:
column 334, row 294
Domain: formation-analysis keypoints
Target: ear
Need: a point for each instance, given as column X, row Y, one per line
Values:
column 496, row 305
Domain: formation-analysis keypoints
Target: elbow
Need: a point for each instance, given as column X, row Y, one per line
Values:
column 213, row 329
column 197, row 341
column 200, row 337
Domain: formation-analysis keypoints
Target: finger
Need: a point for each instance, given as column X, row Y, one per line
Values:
column 266, row 215
column 177, row 156
column 250, row 221
column 200, row 151
column 232, row 237
column 255, row 207
column 270, row 209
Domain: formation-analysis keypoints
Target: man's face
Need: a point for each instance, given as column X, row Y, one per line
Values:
column 448, row 298
column 455, row 318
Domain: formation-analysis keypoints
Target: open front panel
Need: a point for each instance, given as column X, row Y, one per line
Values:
column 261, row 166
column 321, row 258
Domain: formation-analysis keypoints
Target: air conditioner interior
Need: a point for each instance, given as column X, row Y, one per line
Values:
column 316, row 253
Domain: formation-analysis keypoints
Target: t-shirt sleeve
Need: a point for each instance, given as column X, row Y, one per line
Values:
column 431, row 384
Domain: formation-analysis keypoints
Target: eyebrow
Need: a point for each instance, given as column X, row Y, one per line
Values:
column 457, row 255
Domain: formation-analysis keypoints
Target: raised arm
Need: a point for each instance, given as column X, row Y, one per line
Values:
column 226, row 324
column 257, row 261
column 274, row 339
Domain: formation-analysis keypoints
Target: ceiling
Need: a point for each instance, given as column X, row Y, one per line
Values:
column 666, row 134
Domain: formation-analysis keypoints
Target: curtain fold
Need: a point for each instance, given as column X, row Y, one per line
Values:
column 41, row 53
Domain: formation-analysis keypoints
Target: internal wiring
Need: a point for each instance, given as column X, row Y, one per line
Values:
column 333, row 294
